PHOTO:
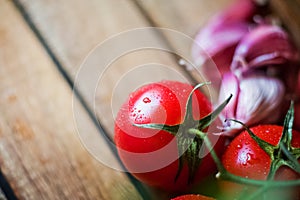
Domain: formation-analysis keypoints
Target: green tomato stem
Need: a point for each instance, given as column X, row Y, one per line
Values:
column 257, row 193
column 238, row 179
column 209, row 146
column 225, row 175
column 296, row 165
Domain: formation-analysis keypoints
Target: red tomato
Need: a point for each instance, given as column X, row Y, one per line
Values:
column 152, row 155
column 193, row 197
column 245, row 158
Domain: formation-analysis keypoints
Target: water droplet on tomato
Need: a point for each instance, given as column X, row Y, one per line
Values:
column 248, row 156
column 239, row 146
column 146, row 100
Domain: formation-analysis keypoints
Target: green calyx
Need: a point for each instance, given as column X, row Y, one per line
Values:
column 282, row 154
column 189, row 144
column 225, row 175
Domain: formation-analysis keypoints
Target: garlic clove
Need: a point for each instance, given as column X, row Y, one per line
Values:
column 265, row 45
column 230, row 85
column 212, row 52
column 256, row 99
column 212, row 43
column 259, row 99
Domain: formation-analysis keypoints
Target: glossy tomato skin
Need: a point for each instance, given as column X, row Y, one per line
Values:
column 192, row 197
column 244, row 157
column 152, row 155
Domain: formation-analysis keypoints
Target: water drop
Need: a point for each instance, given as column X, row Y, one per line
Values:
column 146, row 100
column 239, row 146
column 248, row 156
column 245, row 158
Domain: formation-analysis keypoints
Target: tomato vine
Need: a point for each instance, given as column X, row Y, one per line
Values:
column 281, row 154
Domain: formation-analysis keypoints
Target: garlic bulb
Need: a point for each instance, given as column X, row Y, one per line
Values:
column 256, row 99
column 266, row 45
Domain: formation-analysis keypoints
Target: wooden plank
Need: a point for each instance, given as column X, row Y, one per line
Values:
column 187, row 17
column 184, row 16
column 2, row 195
column 41, row 155
column 288, row 12
column 73, row 28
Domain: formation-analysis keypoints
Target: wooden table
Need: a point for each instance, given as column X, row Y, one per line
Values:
column 42, row 46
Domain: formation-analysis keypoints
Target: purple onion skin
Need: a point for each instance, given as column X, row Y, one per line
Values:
column 265, row 45
column 216, row 42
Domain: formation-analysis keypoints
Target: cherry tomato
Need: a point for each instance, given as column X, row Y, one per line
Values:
column 192, row 197
column 245, row 158
column 152, row 155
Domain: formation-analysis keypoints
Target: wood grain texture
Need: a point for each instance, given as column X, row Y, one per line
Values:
column 73, row 28
column 288, row 12
column 184, row 16
column 40, row 152
column 2, row 195
column 187, row 17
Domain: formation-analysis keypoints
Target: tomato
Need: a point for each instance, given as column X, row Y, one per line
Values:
column 152, row 155
column 192, row 197
column 244, row 157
